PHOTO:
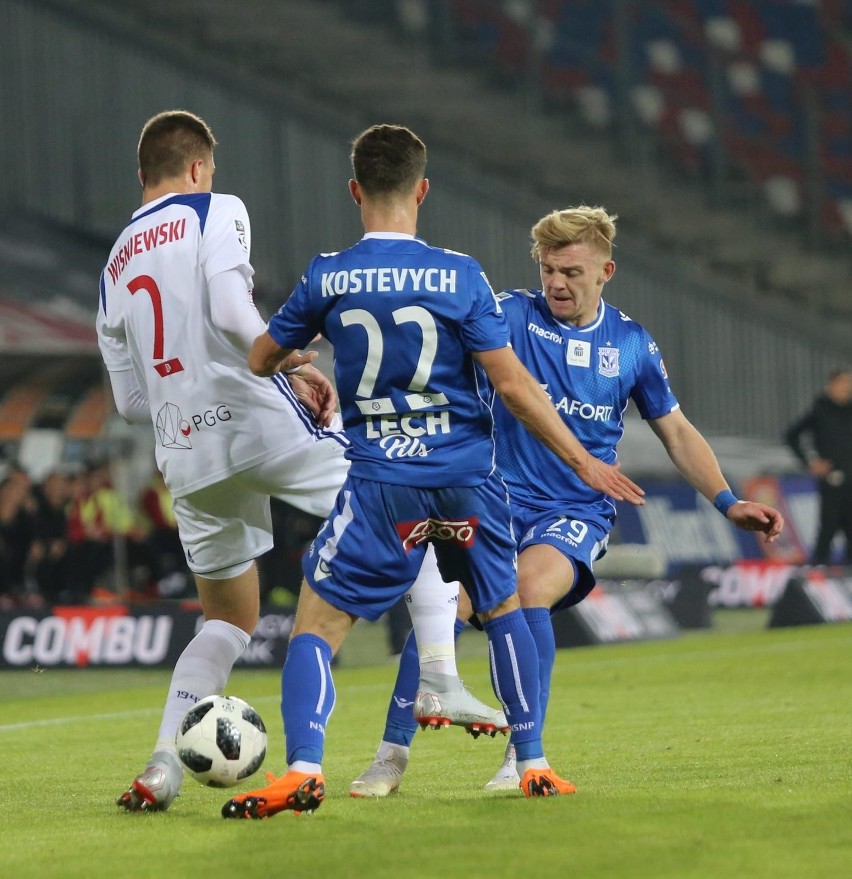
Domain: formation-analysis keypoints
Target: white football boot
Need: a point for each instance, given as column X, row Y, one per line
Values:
column 443, row 700
column 384, row 775
column 506, row 777
column 156, row 788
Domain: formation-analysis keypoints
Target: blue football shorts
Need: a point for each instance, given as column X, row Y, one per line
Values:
column 369, row 551
column 583, row 541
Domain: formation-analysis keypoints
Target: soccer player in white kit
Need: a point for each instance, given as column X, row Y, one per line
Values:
column 175, row 321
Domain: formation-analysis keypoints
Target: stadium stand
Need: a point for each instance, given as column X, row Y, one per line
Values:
column 724, row 125
column 502, row 149
column 19, row 406
column 87, row 420
column 51, row 382
column 748, row 101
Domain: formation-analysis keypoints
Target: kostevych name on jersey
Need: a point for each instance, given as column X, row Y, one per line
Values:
column 388, row 280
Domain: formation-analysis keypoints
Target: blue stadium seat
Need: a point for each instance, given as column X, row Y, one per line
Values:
column 784, row 73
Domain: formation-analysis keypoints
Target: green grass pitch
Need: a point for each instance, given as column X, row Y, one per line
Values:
column 717, row 754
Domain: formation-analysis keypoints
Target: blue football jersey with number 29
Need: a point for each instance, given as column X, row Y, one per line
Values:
column 403, row 318
column 590, row 373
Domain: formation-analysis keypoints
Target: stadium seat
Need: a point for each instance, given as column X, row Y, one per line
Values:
column 89, row 415
column 18, row 409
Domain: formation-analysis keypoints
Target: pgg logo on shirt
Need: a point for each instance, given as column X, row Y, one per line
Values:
column 174, row 430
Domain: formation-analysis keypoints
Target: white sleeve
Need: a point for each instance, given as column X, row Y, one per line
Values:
column 226, row 240
column 130, row 400
column 232, row 308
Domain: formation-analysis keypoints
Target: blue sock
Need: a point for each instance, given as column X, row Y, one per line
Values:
column 514, row 674
column 400, row 724
column 541, row 626
column 307, row 697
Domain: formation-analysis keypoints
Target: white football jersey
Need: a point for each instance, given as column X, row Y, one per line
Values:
column 212, row 418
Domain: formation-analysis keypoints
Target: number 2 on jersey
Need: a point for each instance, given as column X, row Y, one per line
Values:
column 149, row 285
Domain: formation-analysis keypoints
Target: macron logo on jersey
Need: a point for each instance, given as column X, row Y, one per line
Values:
column 542, row 333
column 388, row 280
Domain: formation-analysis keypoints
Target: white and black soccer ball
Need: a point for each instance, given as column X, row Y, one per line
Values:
column 221, row 741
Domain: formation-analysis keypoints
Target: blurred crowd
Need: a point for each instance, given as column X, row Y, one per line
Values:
column 72, row 538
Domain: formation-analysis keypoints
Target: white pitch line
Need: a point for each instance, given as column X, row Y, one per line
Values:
column 82, row 718
column 90, row 718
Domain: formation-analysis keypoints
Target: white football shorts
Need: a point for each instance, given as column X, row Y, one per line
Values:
column 224, row 526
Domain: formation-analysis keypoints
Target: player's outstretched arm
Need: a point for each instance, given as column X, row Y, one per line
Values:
column 526, row 400
column 697, row 463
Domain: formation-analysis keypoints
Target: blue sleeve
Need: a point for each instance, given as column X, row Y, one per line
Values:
column 297, row 322
column 485, row 327
column 652, row 393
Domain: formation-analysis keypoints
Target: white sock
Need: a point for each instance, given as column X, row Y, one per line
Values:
column 389, row 749
column 432, row 605
column 537, row 763
column 201, row 670
column 305, row 766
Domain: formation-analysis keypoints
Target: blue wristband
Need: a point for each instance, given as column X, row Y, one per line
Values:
column 724, row 501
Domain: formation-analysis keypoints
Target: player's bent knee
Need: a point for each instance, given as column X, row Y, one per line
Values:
column 533, row 595
column 507, row 606
column 315, row 616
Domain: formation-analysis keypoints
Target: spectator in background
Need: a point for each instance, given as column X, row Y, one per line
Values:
column 98, row 516
column 90, row 542
column 165, row 552
column 281, row 568
column 822, row 440
column 47, row 559
column 17, row 509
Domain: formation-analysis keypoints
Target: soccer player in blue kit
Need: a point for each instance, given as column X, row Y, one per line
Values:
column 409, row 323
column 591, row 359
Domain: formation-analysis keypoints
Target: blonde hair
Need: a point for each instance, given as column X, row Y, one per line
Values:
column 582, row 224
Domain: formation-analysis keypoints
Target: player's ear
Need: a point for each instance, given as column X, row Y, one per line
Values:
column 355, row 191
column 422, row 189
column 608, row 270
column 141, row 177
column 195, row 171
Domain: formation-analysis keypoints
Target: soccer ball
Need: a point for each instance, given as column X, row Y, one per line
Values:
column 221, row 741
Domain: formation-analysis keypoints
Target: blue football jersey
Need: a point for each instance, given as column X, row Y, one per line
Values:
column 590, row 373
column 403, row 318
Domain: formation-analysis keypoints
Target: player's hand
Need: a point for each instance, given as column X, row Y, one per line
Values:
column 753, row 516
column 295, row 359
column 315, row 392
column 609, row 479
column 820, row 467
